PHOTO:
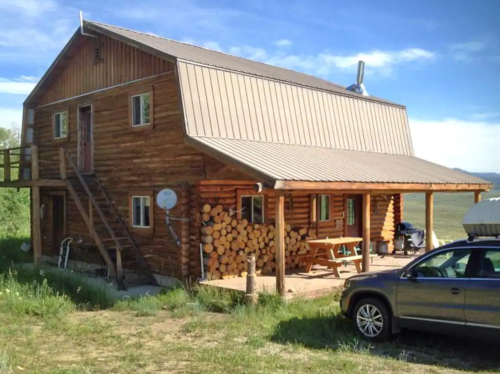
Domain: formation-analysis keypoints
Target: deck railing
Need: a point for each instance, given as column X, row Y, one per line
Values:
column 19, row 164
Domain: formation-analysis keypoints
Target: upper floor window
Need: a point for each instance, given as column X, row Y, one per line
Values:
column 141, row 109
column 324, row 208
column 60, row 125
column 141, row 211
column 252, row 208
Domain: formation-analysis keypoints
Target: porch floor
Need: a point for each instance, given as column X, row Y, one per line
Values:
column 319, row 282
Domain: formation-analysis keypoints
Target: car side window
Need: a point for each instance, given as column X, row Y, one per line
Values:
column 449, row 264
column 490, row 265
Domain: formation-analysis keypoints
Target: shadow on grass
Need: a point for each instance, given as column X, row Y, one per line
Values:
column 336, row 333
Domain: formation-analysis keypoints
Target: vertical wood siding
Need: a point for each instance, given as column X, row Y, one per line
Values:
column 120, row 63
column 231, row 105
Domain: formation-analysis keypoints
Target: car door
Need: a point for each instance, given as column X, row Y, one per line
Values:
column 432, row 291
column 482, row 298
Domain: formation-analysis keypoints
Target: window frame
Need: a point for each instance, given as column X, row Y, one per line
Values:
column 141, row 194
column 240, row 193
column 54, row 125
column 329, row 209
column 140, row 94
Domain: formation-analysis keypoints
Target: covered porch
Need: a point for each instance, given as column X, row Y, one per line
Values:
column 283, row 171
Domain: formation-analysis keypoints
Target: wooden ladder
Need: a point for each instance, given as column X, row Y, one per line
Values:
column 116, row 270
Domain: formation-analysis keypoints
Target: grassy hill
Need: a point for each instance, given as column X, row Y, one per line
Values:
column 449, row 210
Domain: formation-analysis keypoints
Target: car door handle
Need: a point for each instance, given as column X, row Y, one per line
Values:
column 455, row 291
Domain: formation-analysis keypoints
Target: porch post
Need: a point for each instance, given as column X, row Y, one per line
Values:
column 36, row 230
column 477, row 197
column 366, row 231
column 429, row 220
column 279, row 240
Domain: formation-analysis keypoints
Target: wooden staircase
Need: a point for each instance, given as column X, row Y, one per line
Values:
column 110, row 233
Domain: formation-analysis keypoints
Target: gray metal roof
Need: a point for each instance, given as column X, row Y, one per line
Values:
column 188, row 52
column 227, row 104
column 289, row 162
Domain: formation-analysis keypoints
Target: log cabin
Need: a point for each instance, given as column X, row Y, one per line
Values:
column 261, row 159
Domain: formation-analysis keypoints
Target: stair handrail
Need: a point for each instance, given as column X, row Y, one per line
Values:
column 93, row 200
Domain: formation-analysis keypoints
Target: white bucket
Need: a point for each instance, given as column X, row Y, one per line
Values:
column 383, row 248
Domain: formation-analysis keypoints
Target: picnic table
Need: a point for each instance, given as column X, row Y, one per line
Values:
column 326, row 252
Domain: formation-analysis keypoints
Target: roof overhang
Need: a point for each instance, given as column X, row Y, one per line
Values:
column 296, row 167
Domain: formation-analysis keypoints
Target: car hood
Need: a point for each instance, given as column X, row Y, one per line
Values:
column 386, row 274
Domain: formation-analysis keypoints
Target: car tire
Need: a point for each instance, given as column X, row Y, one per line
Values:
column 372, row 319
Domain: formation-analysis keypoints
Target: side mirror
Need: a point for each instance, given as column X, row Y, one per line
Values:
column 408, row 274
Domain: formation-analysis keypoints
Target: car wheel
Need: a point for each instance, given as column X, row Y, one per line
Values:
column 373, row 320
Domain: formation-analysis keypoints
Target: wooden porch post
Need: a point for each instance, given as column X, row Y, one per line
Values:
column 477, row 197
column 429, row 220
column 280, row 243
column 366, row 232
column 62, row 164
column 36, row 230
column 6, row 165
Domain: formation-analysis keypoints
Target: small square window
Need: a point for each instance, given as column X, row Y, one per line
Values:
column 324, row 208
column 141, row 110
column 252, row 208
column 141, row 211
column 60, row 125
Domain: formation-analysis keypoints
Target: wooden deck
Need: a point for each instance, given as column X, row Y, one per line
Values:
column 319, row 282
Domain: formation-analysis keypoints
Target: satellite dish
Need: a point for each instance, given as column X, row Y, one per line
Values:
column 166, row 199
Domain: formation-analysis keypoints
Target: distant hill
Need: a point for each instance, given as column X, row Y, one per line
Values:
column 490, row 177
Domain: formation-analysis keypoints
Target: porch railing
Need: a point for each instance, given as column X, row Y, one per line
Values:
column 19, row 164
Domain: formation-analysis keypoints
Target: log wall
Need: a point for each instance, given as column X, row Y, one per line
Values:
column 298, row 218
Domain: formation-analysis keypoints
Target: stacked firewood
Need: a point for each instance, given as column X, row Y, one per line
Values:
column 227, row 242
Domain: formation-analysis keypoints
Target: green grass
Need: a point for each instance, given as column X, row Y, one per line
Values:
column 449, row 210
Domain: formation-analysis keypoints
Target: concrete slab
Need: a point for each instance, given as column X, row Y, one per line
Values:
column 319, row 282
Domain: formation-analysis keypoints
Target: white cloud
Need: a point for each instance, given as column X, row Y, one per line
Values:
column 28, row 8
column 18, row 86
column 10, row 117
column 283, row 43
column 464, row 51
column 469, row 145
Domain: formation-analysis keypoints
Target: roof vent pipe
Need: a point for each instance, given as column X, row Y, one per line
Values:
column 359, row 87
column 81, row 27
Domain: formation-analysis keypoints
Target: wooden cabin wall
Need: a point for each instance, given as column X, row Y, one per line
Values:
column 81, row 72
column 128, row 159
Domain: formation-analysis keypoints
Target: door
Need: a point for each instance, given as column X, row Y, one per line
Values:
column 86, row 139
column 482, row 299
column 432, row 293
column 353, row 216
column 58, row 221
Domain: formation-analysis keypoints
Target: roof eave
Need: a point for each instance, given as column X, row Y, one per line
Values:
column 382, row 186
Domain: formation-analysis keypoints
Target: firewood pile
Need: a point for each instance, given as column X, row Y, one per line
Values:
column 227, row 242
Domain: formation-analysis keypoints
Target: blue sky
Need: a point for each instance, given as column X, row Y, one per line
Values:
column 441, row 58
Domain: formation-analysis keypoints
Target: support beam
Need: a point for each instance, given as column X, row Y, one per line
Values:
column 280, row 243
column 36, row 230
column 429, row 220
column 35, row 171
column 366, row 232
column 477, row 197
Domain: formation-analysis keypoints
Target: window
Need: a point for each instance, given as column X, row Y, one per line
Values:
column 60, row 125
column 141, row 110
column 450, row 264
column 324, row 208
column 141, row 214
column 490, row 266
column 252, row 208
column 351, row 212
